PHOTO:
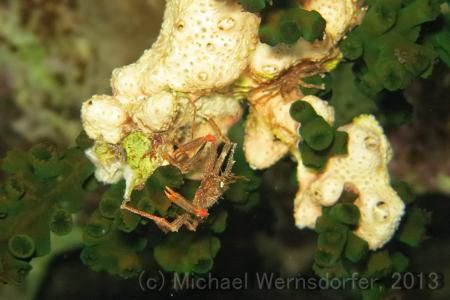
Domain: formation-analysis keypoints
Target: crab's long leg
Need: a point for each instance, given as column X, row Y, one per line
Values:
column 217, row 130
column 223, row 155
column 197, row 143
column 192, row 225
column 184, row 204
column 194, row 158
column 310, row 85
column 139, row 212
column 211, row 159
column 231, row 161
column 162, row 222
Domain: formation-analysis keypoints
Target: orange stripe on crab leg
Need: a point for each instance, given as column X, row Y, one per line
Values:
column 184, row 204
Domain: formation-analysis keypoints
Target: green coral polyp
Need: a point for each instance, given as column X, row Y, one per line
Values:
column 14, row 188
column 356, row 248
column 389, row 44
column 168, row 176
column 379, row 264
column 418, row 12
column 400, row 262
column 45, row 160
column 346, row 213
column 339, row 146
column 253, row 5
column 312, row 159
column 83, row 141
column 110, row 203
column 320, row 140
column 61, row 222
column 352, row 48
column 89, row 256
column 289, row 31
column 3, row 209
column 302, row 111
column 311, row 23
column 32, row 216
column 404, row 191
column 382, row 16
column 187, row 253
column 203, row 265
column 391, row 73
column 317, row 159
column 335, row 271
column 220, row 222
column 129, row 266
column 127, row 221
column 413, row 231
column 98, row 226
column 317, row 133
column 21, row 246
column 21, row 269
column 331, row 241
column 289, row 25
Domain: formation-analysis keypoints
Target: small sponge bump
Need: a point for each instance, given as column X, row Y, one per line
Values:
column 21, row 246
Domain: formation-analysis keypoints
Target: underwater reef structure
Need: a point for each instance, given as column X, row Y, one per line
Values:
column 206, row 59
column 229, row 88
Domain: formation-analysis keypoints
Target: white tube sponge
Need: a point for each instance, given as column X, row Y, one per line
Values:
column 271, row 132
column 268, row 62
column 261, row 147
column 155, row 113
column 322, row 108
column 104, row 119
column 109, row 171
column 363, row 170
column 203, row 45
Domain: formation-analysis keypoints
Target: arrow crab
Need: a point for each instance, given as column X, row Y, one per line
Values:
column 216, row 178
